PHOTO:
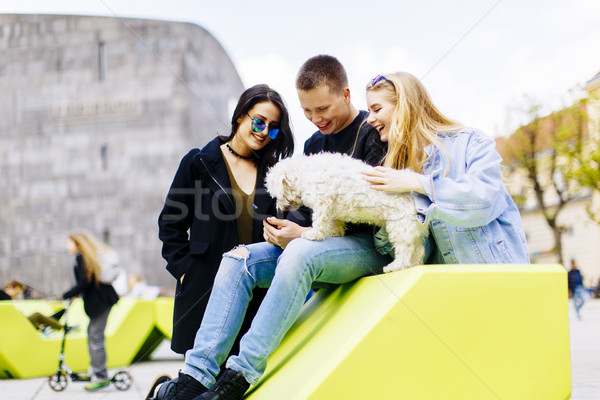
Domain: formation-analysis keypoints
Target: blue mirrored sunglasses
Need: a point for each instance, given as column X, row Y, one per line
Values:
column 258, row 125
column 379, row 78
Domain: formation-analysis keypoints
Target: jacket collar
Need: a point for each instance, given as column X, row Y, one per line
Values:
column 213, row 161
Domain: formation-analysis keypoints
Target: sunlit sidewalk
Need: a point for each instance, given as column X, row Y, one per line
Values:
column 585, row 351
column 143, row 373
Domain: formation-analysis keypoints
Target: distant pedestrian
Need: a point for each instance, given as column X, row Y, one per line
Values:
column 576, row 289
column 98, row 299
column 12, row 290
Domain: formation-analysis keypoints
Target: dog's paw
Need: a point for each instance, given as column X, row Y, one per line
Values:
column 313, row 234
column 395, row 265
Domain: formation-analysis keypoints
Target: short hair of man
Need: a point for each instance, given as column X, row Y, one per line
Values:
column 319, row 70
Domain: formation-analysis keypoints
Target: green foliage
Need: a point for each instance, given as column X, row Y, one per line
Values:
column 545, row 150
column 584, row 158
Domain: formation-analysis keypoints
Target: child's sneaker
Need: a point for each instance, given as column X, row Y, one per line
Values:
column 96, row 385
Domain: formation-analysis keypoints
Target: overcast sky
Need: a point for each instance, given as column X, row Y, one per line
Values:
column 478, row 59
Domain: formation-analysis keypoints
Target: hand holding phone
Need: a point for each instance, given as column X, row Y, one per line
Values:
column 281, row 231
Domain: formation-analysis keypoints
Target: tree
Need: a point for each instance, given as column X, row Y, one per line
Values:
column 542, row 149
column 588, row 175
column 586, row 160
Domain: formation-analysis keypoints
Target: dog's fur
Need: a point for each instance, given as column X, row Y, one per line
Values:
column 333, row 187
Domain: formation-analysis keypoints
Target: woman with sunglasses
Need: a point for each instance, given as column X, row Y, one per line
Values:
column 217, row 200
column 453, row 171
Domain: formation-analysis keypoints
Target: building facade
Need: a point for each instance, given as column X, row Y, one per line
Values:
column 95, row 115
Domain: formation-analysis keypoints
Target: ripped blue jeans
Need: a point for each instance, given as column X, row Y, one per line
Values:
column 289, row 275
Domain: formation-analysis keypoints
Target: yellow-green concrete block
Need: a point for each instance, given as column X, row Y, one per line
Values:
column 25, row 353
column 129, row 324
column 162, row 328
column 430, row 332
column 163, row 315
column 45, row 307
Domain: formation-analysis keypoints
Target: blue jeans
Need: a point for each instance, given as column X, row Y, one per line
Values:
column 579, row 297
column 289, row 275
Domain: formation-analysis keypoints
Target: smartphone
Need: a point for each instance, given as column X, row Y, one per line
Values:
column 267, row 221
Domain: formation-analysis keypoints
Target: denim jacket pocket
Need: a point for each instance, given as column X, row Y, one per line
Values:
column 473, row 245
column 501, row 253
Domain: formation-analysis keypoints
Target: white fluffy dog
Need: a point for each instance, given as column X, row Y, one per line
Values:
column 333, row 187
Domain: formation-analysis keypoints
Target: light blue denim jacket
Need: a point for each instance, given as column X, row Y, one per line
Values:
column 471, row 216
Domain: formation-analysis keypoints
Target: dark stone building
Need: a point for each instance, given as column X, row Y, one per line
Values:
column 95, row 114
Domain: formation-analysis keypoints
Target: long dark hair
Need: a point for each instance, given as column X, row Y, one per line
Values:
column 278, row 148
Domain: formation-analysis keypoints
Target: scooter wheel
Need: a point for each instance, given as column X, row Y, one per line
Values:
column 58, row 382
column 122, row 380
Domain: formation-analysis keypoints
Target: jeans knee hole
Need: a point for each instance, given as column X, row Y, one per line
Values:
column 240, row 252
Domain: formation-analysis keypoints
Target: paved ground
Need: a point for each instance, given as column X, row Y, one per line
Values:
column 585, row 364
column 143, row 373
column 585, row 351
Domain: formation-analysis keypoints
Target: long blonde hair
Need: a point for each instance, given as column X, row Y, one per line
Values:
column 89, row 248
column 416, row 121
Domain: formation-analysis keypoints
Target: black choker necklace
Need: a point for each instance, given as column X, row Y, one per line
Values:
column 235, row 153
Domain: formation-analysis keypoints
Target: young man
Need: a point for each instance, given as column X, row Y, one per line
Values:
column 322, row 87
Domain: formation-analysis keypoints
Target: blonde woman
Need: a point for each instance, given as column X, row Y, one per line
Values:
column 454, row 172
column 98, row 299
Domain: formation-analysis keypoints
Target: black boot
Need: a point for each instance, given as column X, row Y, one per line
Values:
column 157, row 382
column 231, row 386
column 184, row 387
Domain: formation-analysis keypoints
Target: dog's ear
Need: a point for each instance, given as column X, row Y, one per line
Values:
column 290, row 182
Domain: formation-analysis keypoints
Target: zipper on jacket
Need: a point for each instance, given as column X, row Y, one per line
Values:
column 217, row 182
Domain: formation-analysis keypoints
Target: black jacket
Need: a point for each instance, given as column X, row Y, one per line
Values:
column 200, row 202
column 359, row 140
column 97, row 298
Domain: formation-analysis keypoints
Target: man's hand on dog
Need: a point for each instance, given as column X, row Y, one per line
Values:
column 281, row 231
